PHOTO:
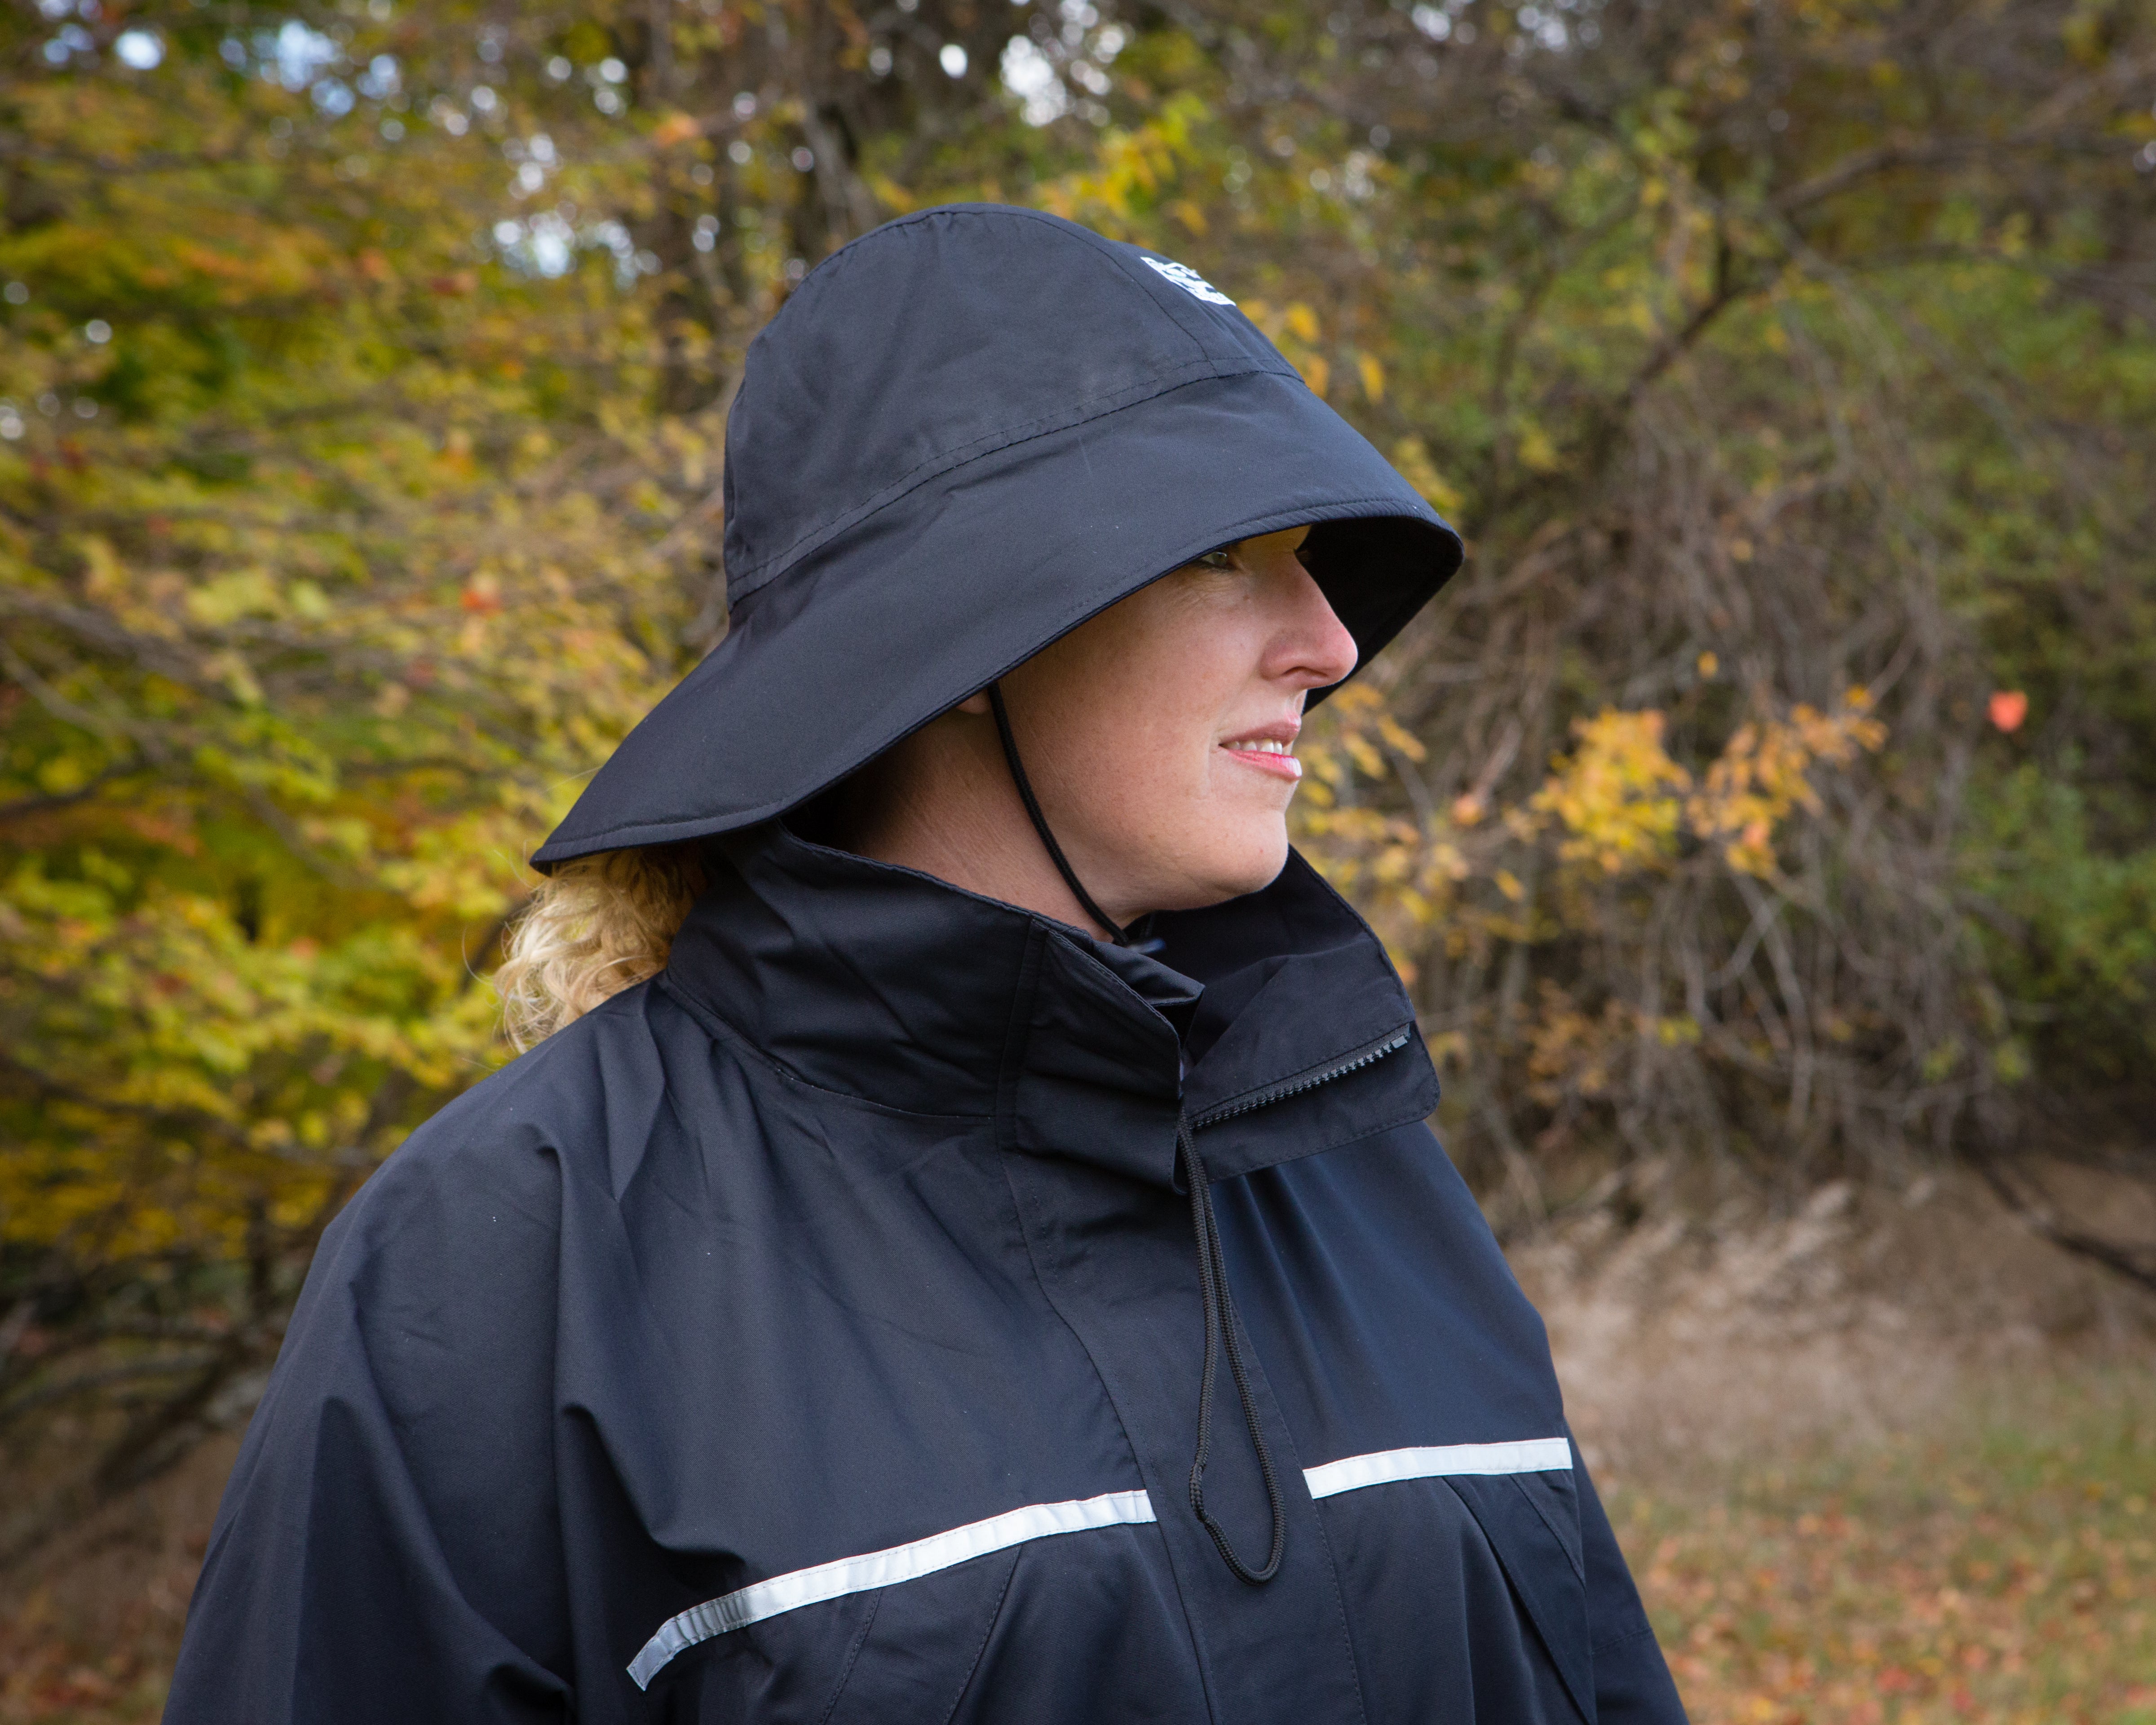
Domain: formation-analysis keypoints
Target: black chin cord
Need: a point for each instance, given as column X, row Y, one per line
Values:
column 1220, row 1338
column 1121, row 935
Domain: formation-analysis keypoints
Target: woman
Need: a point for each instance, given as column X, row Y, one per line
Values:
column 991, row 1264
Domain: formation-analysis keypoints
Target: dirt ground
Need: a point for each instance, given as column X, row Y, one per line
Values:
column 1779, row 1409
column 1688, row 1347
column 1882, row 1462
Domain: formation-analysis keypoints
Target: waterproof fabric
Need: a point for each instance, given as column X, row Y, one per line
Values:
column 812, row 1334
column 966, row 433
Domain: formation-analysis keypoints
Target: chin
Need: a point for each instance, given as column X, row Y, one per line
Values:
column 1234, row 864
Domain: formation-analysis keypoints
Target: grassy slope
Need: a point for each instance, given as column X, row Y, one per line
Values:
column 1997, row 1572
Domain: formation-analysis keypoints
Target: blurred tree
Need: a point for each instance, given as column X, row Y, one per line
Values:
column 363, row 372
column 363, row 379
column 327, row 542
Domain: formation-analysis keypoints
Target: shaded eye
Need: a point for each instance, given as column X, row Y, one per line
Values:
column 1224, row 558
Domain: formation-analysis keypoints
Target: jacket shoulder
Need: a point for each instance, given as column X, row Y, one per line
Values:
column 557, row 1101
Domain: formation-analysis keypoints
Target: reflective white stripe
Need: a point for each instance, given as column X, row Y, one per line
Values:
column 881, row 1569
column 1523, row 1455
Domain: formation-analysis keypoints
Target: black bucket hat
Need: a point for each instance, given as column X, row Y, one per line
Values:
column 965, row 434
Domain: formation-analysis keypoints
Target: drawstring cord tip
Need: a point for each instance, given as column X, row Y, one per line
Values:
column 1220, row 1338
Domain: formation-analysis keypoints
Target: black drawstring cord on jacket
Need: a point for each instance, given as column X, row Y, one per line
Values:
column 1121, row 935
column 1211, row 1267
column 1220, row 1338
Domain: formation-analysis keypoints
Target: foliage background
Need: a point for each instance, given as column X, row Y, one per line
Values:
column 1770, row 801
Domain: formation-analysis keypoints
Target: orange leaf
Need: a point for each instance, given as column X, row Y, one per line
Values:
column 674, row 129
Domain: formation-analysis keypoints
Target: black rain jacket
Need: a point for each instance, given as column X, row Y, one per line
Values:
column 814, row 1333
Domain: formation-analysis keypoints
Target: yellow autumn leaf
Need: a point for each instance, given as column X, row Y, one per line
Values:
column 1537, row 453
column 1411, row 456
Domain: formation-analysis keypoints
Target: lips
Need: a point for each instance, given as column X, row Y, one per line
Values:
column 1270, row 749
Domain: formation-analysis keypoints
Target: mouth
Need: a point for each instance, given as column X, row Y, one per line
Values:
column 1270, row 750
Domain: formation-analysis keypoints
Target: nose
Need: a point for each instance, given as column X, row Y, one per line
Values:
column 1311, row 647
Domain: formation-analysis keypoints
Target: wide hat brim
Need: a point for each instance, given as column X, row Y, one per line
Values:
column 946, row 589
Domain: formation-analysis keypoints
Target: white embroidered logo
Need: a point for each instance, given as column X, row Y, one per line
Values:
column 1190, row 282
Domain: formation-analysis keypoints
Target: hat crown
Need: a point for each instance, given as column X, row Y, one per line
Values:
column 940, row 338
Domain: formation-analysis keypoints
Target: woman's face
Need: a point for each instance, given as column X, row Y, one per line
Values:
column 1159, row 737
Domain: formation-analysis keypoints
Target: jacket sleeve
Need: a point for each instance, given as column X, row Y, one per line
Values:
column 388, row 1547
column 1632, row 1681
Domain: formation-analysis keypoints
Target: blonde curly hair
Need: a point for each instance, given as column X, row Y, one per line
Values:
column 594, row 927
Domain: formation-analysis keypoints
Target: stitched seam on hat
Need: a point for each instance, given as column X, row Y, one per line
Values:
column 1003, row 438
column 992, row 443
column 1110, row 252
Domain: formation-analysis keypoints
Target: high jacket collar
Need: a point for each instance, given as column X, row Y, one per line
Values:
column 908, row 993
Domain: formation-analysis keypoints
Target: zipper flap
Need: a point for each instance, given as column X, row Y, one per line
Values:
column 1354, row 1061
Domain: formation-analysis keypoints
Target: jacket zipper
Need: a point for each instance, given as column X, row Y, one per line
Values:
column 1220, row 1327
column 1390, row 1043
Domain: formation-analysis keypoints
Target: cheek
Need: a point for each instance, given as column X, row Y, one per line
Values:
column 1155, row 734
column 1166, row 753
column 1154, row 766
column 1143, row 697
column 1147, row 787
